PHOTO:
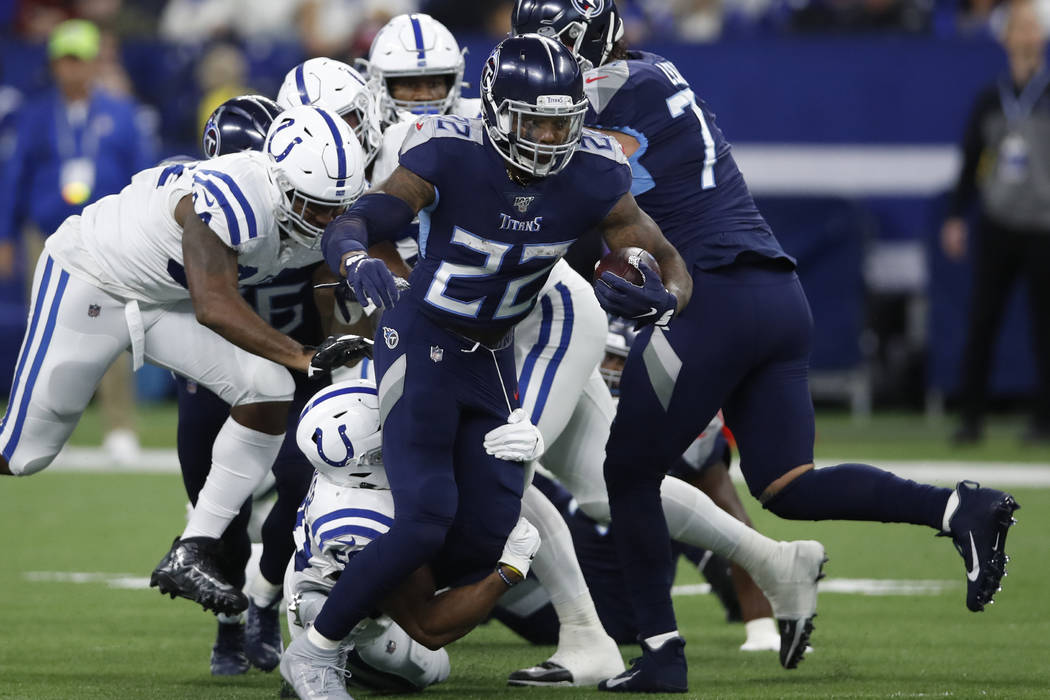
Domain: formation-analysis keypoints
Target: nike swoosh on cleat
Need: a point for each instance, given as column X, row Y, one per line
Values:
column 995, row 547
column 974, row 572
column 620, row 680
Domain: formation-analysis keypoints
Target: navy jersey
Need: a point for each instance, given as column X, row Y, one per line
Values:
column 486, row 243
column 286, row 302
column 685, row 177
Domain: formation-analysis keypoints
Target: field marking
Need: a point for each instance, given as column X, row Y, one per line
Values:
column 948, row 472
column 862, row 586
column 854, row 586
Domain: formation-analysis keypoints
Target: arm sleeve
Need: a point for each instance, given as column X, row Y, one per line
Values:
column 973, row 146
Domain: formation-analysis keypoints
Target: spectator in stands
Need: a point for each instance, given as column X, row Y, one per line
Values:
column 73, row 144
column 911, row 16
column 1006, row 165
column 345, row 28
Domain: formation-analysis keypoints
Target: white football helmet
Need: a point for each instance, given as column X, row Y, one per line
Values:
column 336, row 86
column 339, row 433
column 414, row 45
column 318, row 165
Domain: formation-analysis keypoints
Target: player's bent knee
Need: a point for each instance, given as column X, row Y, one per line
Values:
column 262, row 382
column 768, row 495
column 596, row 510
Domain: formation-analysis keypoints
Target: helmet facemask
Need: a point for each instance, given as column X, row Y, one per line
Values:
column 297, row 210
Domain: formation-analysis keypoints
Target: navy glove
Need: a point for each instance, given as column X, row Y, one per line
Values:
column 649, row 303
column 371, row 280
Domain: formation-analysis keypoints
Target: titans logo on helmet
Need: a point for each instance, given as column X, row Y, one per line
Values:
column 211, row 139
column 589, row 8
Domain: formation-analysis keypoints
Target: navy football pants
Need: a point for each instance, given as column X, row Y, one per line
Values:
column 455, row 505
column 755, row 367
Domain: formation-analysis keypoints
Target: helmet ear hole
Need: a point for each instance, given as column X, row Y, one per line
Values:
column 339, row 434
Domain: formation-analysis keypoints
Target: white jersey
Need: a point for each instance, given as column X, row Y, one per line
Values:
column 332, row 525
column 130, row 244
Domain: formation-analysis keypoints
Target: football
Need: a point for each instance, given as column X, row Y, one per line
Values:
column 624, row 263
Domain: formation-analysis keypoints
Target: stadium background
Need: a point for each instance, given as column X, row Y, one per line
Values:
column 847, row 136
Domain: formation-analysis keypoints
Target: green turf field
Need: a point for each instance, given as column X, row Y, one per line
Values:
column 91, row 640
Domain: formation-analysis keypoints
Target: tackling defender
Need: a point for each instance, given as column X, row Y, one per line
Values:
column 348, row 505
column 675, row 379
column 156, row 269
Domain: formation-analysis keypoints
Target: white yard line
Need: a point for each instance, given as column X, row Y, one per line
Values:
column 999, row 474
column 861, row 586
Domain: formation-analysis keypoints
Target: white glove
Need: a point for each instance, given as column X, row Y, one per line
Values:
column 517, row 440
column 522, row 544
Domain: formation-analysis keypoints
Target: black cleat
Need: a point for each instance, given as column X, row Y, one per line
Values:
column 262, row 636
column 978, row 528
column 794, row 640
column 189, row 569
column 656, row 671
column 548, row 674
column 227, row 656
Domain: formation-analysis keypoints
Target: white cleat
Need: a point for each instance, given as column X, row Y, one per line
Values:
column 585, row 656
column 791, row 588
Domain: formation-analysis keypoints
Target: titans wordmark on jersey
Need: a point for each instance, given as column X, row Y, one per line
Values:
column 685, row 177
column 130, row 244
column 487, row 243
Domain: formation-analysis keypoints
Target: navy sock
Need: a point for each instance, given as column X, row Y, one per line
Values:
column 643, row 547
column 860, row 492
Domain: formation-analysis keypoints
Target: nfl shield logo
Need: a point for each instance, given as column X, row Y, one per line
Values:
column 522, row 204
column 94, row 310
column 391, row 646
column 436, row 353
column 390, row 337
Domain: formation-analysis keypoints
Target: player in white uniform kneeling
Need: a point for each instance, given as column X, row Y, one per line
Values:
column 349, row 505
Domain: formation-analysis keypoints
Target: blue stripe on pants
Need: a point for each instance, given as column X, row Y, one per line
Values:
column 559, row 354
column 38, row 360
column 545, row 335
column 41, row 292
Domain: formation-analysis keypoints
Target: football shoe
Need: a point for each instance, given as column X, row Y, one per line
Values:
column 227, row 655
column 315, row 673
column 262, row 636
column 661, row 670
column 978, row 526
column 790, row 585
column 190, row 570
column 585, row 656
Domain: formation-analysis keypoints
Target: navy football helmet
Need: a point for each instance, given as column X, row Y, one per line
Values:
column 532, row 103
column 590, row 28
column 239, row 124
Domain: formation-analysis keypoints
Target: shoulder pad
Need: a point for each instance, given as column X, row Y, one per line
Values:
column 232, row 195
column 600, row 144
column 601, row 84
column 446, row 126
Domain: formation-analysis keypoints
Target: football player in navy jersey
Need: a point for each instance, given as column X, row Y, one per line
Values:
column 500, row 199
column 675, row 378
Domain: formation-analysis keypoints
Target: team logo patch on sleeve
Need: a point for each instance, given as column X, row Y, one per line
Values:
column 390, row 337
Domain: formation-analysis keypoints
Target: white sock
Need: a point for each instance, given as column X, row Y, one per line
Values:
column 240, row 459
column 657, row 641
column 695, row 519
column 759, row 630
column 262, row 592
column 555, row 563
column 321, row 641
column 230, row 619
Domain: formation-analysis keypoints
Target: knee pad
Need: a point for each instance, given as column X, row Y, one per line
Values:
column 385, row 658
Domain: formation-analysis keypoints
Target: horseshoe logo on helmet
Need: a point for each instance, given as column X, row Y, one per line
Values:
column 318, row 436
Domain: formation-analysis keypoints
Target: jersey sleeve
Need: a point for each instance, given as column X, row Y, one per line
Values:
column 608, row 173
column 387, row 158
column 229, row 194
column 432, row 141
column 609, row 95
